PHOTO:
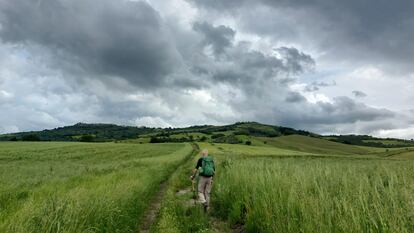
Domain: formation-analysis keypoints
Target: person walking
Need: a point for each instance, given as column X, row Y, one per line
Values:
column 206, row 169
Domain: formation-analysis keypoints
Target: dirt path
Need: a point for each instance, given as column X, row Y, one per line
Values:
column 217, row 225
column 151, row 214
column 153, row 209
column 188, row 199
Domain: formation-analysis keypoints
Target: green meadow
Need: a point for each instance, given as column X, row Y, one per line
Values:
column 80, row 187
column 313, row 194
column 276, row 184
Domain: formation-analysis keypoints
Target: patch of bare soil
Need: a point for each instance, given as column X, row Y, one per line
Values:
column 238, row 228
column 184, row 192
column 153, row 209
column 217, row 225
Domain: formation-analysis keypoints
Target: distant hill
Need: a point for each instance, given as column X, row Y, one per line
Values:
column 366, row 140
column 240, row 132
column 96, row 132
column 110, row 132
column 316, row 145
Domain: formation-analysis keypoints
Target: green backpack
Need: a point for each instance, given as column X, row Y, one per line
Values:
column 207, row 168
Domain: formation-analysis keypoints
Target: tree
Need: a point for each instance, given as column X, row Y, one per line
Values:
column 31, row 137
column 154, row 140
column 217, row 135
column 87, row 138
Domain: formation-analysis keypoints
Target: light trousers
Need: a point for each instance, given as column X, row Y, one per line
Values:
column 204, row 189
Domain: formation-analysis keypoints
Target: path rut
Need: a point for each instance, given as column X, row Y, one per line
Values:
column 151, row 214
column 153, row 209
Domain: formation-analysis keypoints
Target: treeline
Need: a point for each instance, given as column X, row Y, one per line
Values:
column 37, row 138
column 219, row 134
column 111, row 132
column 82, row 132
column 216, row 138
column 366, row 140
column 254, row 129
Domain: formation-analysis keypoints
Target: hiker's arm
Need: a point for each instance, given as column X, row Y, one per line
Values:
column 196, row 169
column 194, row 172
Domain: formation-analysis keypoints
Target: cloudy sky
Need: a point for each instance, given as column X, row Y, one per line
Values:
column 328, row 66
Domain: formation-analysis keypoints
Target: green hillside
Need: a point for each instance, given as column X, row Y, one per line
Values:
column 77, row 132
column 111, row 132
column 249, row 133
column 316, row 145
column 404, row 155
column 366, row 140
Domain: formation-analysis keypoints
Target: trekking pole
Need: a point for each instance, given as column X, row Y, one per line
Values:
column 193, row 182
column 192, row 185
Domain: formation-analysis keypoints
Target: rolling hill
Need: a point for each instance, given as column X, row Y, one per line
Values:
column 238, row 133
column 317, row 145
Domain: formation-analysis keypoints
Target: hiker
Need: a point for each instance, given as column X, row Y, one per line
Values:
column 206, row 168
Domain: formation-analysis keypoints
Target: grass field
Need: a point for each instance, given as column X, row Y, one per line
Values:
column 320, row 146
column 404, row 155
column 312, row 194
column 284, row 184
column 390, row 142
column 76, row 187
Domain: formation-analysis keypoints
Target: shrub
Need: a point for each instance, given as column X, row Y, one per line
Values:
column 31, row 137
column 217, row 135
column 86, row 138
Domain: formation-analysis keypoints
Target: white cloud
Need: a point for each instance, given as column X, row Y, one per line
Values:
column 407, row 133
column 9, row 129
column 151, row 122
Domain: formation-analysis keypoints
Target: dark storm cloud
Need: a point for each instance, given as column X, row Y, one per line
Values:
column 64, row 61
column 239, row 64
column 359, row 94
column 342, row 110
column 370, row 31
column 311, row 88
column 250, row 69
column 346, row 110
column 296, row 60
column 315, row 86
column 263, row 83
column 324, row 84
column 107, row 38
column 294, row 97
column 219, row 37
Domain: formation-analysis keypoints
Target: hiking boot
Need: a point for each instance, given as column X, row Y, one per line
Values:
column 205, row 207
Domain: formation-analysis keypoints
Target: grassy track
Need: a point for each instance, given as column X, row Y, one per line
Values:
column 79, row 187
column 322, row 194
column 178, row 213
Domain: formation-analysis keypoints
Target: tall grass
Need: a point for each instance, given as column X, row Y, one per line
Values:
column 316, row 195
column 178, row 213
column 76, row 187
